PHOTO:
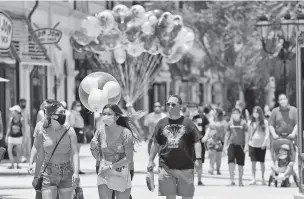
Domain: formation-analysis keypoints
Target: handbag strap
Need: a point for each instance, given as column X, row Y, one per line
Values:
column 252, row 134
column 55, row 149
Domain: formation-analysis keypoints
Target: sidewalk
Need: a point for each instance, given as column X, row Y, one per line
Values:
column 87, row 162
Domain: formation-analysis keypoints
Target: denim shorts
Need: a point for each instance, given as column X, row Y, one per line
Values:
column 58, row 176
column 176, row 182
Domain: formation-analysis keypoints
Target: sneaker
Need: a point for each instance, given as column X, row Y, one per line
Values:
column 210, row 172
column 252, row 182
column 11, row 167
column 241, row 184
column 218, row 172
column 19, row 167
column 231, row 184
column 81, row 172
column 200, row 183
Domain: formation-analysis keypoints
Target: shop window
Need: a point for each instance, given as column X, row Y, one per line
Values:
column 158, row 93
column 81, row 6
column 38, row 90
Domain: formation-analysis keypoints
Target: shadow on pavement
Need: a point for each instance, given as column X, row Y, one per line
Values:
column 7, row 196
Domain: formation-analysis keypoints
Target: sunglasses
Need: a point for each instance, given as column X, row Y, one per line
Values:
column 171, row 104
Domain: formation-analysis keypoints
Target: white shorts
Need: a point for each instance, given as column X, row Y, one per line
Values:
column 15, row 140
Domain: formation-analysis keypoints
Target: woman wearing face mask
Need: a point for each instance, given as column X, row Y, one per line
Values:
column 112, row 146
column 258, row 138
column 76, row 121
column 59, row 177
column 14, row 135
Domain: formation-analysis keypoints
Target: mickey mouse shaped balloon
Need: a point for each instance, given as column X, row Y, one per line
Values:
column 99, row 89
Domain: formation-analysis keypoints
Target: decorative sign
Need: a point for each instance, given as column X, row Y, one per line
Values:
column 6, row 31
column 48, row 35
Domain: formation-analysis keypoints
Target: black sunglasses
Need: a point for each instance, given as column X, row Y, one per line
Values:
column 171, row 104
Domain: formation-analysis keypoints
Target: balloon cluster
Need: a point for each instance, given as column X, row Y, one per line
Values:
column 134, row 31
column 99, row 89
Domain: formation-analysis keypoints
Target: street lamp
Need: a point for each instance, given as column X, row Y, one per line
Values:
column 269, row 30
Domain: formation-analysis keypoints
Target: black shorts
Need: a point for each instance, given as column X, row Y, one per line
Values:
column 80, row 137
column 236, row 154
column 257, row 154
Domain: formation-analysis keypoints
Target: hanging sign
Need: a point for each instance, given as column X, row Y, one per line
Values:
column 48, row 35
column 6, row 31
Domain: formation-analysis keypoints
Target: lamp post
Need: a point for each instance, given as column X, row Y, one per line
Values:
column 284, row 31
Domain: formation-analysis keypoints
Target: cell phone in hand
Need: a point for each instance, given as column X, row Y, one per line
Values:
column 2, row 152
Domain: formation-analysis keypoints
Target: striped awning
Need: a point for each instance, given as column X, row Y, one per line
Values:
column 26, row 45
column 7, row 57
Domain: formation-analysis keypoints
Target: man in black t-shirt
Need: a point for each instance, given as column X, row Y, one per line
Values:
column 177, row 140
column 201, row 121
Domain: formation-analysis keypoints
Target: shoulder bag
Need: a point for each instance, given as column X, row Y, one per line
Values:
column 40, row 179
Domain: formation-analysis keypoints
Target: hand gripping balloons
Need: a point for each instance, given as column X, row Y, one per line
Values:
column 99, row 96
column 120, row 55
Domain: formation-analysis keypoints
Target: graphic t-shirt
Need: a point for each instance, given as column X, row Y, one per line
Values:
column 176, row 139
column 237, row 130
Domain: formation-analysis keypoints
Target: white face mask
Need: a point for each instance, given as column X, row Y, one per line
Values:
column 78, row 108
column 283, row 156
column 108, row 120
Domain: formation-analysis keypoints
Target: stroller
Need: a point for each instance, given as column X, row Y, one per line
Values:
column 284, row 153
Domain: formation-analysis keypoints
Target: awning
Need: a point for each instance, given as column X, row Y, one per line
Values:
column 7, row 57
column 3, row 80
column 26, row 45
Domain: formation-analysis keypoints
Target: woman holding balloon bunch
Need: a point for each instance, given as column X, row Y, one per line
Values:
column 112, row 146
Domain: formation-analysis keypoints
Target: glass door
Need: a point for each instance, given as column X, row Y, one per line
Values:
column 38, row 90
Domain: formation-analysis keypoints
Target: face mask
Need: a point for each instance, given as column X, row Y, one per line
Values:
column 283, row 156
column 61, row 119
column 78, row 109
column 22, row 106
column 255, row 115
column 108, row 120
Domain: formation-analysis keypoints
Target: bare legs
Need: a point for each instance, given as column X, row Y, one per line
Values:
column 11, row 155
column 253, row 170
column 231, row 172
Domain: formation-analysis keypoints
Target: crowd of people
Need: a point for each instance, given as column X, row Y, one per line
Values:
column 180, row 141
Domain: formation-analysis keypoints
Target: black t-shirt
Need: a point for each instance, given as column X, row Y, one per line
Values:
column 202, row 121
column 176, row 139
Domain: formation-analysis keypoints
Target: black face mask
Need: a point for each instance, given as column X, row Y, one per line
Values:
column 23, row 106
column 61, row 119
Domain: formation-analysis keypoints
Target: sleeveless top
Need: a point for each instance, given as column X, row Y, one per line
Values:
column 16, row 129
column 111, row 152
column 48, row 142
column 218, row 130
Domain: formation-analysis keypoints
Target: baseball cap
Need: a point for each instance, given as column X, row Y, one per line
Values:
column 16, row 108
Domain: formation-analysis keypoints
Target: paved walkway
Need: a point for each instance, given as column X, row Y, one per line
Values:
column 87, row 163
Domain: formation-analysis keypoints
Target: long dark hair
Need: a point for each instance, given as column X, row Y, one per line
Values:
column 261, row 121
column 219, row 115
column 122, row 120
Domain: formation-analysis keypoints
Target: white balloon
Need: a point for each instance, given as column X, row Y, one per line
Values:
column 120, row 55
column 113, row 88
column 98, row 99
column 89, row 83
